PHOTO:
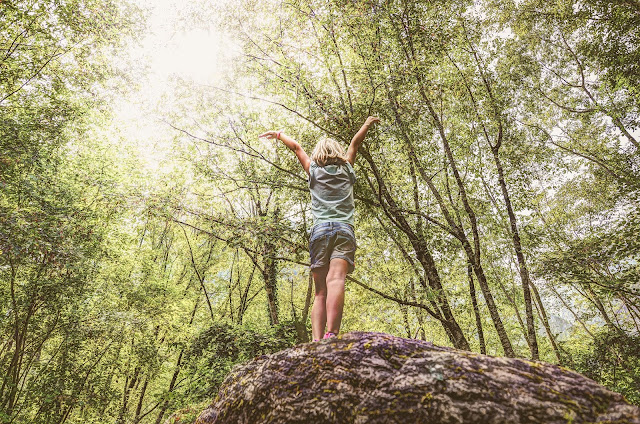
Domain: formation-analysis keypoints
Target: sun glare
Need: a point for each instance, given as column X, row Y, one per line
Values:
column 167, row 53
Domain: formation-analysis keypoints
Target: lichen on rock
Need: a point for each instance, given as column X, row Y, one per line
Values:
column 378, row 378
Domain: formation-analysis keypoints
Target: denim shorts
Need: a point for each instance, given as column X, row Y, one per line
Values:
column 329, row 240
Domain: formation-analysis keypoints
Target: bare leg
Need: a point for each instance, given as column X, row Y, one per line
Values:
column 319, row 309
column 335, row 293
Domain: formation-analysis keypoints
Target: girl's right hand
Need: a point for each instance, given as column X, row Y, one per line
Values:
column 269, row 135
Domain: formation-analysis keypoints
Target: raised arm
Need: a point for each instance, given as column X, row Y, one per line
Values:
column 291, row 144
column 358, row 138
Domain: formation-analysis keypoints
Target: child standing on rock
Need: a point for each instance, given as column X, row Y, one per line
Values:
column 332, row 243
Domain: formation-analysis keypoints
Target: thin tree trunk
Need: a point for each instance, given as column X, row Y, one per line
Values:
column 305, row 311
column 270, row 285
column 522, row 265
column 244, row 300
column 545, row 321
column 125, row 398
column 143, row 391
column 230, row 286
column 270, row 273
column 419, row 312
column 476, row 310
column 405, row 320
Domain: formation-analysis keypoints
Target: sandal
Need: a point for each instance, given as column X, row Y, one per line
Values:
column 329, row 335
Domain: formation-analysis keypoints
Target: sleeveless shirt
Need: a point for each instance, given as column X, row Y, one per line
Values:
column 331, row 189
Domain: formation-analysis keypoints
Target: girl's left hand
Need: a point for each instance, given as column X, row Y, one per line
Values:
column 371, row 120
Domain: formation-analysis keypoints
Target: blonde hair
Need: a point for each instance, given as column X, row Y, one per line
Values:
column 329, row 152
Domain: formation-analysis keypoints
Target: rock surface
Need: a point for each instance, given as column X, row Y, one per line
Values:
column 377, row 378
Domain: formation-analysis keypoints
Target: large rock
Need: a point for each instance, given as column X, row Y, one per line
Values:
column 378, row 378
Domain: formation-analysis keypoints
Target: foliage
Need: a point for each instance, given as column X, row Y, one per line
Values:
column 613, row 360
column 507, row 146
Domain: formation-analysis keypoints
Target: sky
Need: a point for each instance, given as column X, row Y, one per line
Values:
column 168, row 52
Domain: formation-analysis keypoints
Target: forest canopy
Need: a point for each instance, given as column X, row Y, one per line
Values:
column 149, row 241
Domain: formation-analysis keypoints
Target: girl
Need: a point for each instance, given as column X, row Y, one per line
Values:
column 332, row 242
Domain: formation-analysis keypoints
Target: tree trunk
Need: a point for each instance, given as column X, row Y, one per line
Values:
column 522, row 265
column 547, row 327
column 143, row 391
column 423, row 256
column 476, row 310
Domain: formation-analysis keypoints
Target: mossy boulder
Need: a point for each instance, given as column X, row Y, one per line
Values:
column 377, row 378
